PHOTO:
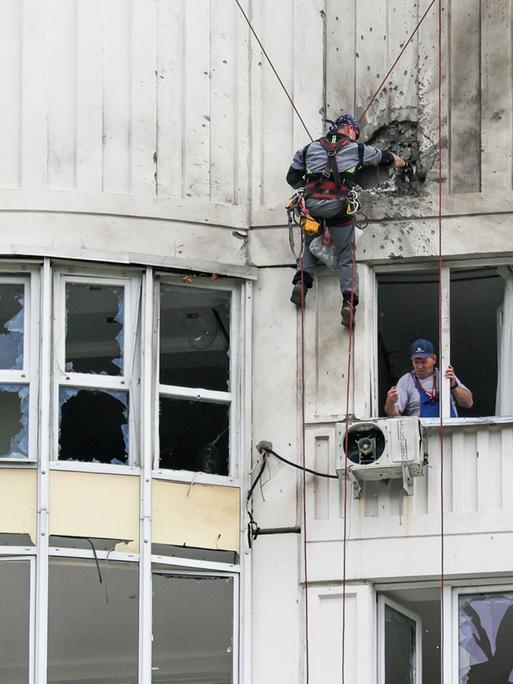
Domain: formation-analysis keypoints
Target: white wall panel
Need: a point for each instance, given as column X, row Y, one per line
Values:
column 10, row 92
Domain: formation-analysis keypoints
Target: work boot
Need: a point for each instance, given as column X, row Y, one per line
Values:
column 348, row 313
column 295, row 297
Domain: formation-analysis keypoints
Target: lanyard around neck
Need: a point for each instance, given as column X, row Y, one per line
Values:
column 430, row 395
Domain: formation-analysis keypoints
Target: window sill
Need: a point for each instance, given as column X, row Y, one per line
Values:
column 466, row 422
column 192, row 478
column 86, row 467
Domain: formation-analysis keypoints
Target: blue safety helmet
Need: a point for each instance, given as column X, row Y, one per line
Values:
column 343, row 120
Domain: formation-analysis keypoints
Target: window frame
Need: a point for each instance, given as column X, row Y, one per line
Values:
column 29, row 276
column 128, row 382
column 383, row 602
column 444, row 353
column 231, row 399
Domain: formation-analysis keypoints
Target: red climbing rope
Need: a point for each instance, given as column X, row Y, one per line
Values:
column 440, row 334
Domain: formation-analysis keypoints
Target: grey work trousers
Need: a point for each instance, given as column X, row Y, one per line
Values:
column 342, row 238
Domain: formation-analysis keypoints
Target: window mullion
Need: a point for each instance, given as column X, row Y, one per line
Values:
column 445, row 340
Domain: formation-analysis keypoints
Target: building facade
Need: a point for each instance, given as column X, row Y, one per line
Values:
column 148, row 345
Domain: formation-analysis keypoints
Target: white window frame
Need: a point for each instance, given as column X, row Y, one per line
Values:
column 444, row 353
column 383, row 602
column 28, row 375
column 231, row 399
column 128, row 382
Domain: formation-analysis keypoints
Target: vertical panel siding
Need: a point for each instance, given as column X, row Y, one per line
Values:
column 465, row 95
column 10, row 95
column 62, row 94
column 478, row 480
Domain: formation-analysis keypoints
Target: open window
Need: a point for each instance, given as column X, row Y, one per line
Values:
column 400, row 643
column 96, row 363
column 195, row 378
column 18, row 371
column 480, row 329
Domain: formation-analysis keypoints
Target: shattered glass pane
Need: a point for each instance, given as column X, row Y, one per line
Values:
column 192, row 628
column 93, row 426
column 12, row 300
column 400, row 647
column 94, row 328
column 194, row 337
column 194, row 435
column 14, row 409
column 485, row 638
column 93, row 616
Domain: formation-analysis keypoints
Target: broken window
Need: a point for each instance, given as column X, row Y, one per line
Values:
column 93, row 426
column 485, row 628
column 94, row 328
column 93, row 614
column 12, row 305
column 194, row 436
column 96, row 361
column 15, row 376
column 408, row 310
column 194, row 373
column 193, row 627
column 15, row 623
column 14, row 409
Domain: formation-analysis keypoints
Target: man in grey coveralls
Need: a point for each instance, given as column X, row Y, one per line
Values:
column 307, row 167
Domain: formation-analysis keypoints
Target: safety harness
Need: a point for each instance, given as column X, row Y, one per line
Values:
column 330, row 184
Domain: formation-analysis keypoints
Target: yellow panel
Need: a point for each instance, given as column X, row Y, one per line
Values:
column 18, row 501
column 200, row 516
column 95, row 505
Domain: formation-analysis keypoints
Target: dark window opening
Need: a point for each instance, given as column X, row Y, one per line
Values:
column 192, row 628
column 485, row 637
column 476, row 296
column 11, row 326
column 93, row 426
column 94, row 328
column 408, row 310
column 194, row 553
column 400, row 647
column 14, row 401
column 194, row 337
column 194, row 435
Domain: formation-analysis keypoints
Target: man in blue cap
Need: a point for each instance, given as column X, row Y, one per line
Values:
column 326, row 168
column 418, row 392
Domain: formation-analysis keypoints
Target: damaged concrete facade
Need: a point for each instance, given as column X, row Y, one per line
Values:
column 148, row 342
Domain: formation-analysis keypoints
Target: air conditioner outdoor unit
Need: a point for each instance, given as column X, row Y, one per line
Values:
column 381, row 449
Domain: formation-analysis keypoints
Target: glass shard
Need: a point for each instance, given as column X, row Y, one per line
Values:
column 194, row 435
column 485, row 637
column 94, row 328
column 93, row 426
column 194, row 337
column 14, row 400
column 12, row 300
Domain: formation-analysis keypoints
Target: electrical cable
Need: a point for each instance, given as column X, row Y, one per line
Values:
column 300, row 467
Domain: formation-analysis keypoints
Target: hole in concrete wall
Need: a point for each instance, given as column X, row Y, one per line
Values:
column 402, row 138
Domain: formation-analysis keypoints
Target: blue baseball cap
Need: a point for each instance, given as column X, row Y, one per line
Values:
column 343, row 120
column 422, row 348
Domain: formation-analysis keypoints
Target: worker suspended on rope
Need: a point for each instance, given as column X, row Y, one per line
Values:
column 326, row 169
